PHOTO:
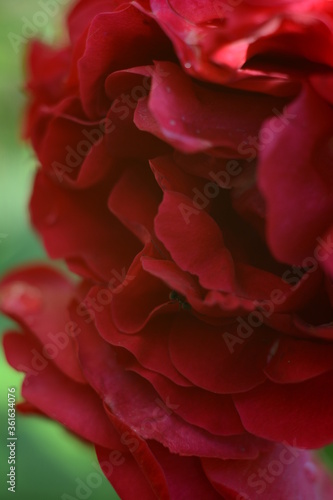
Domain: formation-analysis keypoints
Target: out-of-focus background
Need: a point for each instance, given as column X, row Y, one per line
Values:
column 51, row 462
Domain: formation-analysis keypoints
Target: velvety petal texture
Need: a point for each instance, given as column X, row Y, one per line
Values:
column 184, row 176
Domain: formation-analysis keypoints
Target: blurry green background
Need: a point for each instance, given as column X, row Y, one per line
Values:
column 49, row 459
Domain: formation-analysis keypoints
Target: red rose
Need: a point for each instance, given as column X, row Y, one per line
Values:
column 184, row 175
column 146, row 441
column 253, row 44
column 308, row 140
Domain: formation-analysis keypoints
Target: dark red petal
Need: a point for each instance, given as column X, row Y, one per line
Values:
column 28, row 408
column 212, row 304
column 73, row 150
column 38, row 297
column 193, row 118
column 173, row 277
column 300, row 414
column 146, row 295
column 323, row 84
column 297, row 217
column 281, row 474
column 206, row 257
column 74, row 405
column 150, row 346
column 133, row 401
column 138, row 187
column 78, row 225
column 46, row 67
column 213, row 412
column 107, row 32
column 184, row 475
column 325, row 257
column 296, row 360
column 125, row 474
column 170, row 177
column 324, row 332
column 142, row 455
column 211, row 360
column 125, row 89
column 84, row 12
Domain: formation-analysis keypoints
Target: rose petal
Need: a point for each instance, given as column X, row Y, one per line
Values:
column 74, row 405
column 215, row 362
column 55, row 214
column 297, row 360
column 213, row 412
column 180, row 108
column 139, row 188
column 296, row 218
column 106, row 33
column 282, row 473
column 208, row 258
column 133, row 401
column 300, row 414
column 37, row 297
column 184, row 475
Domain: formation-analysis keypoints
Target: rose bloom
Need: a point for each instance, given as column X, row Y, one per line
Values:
column 184, row 152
